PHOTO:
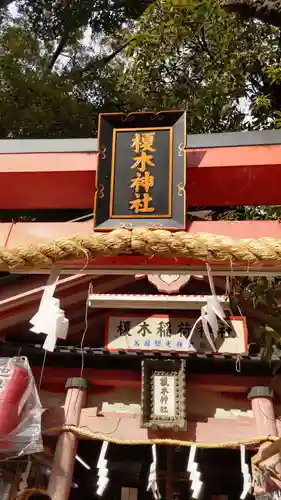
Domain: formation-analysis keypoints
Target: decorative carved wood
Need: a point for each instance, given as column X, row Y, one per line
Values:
column 159, row 376
column 167, row 283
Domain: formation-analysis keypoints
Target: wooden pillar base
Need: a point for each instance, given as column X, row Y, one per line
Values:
column 64, row 459
column 129, row 494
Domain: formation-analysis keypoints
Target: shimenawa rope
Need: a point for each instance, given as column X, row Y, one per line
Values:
column 204, row 246
column 84, row 433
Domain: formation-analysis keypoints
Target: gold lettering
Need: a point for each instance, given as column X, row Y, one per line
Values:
column 142, row 161
column 146, row 181
column 141, row 204
column 136, row 143
column 143, row 142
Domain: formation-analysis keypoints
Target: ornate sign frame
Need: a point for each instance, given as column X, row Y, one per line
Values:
column 163, row 368
column 141, row 174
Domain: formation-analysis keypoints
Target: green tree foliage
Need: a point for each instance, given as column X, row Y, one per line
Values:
column 222, row 69
column 208, row 60
column 52, row 83
column 258, row 299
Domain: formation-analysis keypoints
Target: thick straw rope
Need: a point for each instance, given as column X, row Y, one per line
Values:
column 84, row 433
column 203, row 246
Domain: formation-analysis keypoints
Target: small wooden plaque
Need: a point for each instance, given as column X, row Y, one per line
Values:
column 163, row 396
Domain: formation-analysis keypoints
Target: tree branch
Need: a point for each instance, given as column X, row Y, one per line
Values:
column 61, row 45
column 267, row 11
column 260, row 316
column 92, row 66
column 205, row 44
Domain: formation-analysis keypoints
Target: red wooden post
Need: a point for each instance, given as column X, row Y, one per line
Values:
column 263, row 409
column 64, row 458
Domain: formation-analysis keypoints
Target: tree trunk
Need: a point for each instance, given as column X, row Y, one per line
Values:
column 268, row 11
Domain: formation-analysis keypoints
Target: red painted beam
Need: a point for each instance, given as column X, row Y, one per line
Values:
column 128, row 428
column 111, row 378
column 25, row 233
column 216, row 186
column 125, row 378
column 47, row 190
column 56, row 180
column 218, row 176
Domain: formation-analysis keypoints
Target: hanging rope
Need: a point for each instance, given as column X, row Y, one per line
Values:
column 85, row 433
column 203, row 246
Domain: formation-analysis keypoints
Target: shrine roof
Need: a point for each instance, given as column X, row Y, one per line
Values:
column 194, row 141
column 69, row 356
column 20, row 298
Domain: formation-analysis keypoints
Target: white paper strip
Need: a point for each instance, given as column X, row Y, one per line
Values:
column 196, row 486
column 247, row 479
column 50, row 319
column 191, row 458
column 210, row 314
column 103, row 479
column 152, row 479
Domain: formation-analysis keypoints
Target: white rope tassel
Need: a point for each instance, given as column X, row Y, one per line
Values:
column 194, row 474
column 152, row 479
column 247, row 479
column 209, row 314
column 103, row 480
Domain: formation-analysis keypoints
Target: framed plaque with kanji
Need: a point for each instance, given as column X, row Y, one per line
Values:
column 141, row 171
column 163, row 394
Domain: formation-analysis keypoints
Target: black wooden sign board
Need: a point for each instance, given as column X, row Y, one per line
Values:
column 141, row 171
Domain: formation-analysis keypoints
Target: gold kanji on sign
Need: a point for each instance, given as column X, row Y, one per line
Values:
column 145, row 181
column 141, row 204
column 142, row 161
column 143, row 142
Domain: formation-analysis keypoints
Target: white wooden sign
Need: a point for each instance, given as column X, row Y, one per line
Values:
column 164, row 332
column 164, row 396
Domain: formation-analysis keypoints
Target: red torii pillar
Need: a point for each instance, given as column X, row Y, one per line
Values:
column 64, row 458
column 263, row 409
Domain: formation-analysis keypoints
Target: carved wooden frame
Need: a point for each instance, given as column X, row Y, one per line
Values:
column 109, row 125
column 150, row 368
